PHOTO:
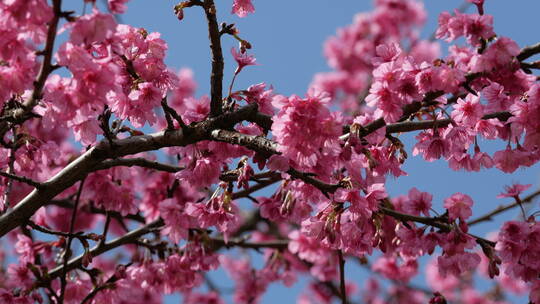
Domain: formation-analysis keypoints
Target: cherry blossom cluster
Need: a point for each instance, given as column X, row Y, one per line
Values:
column 92, row 212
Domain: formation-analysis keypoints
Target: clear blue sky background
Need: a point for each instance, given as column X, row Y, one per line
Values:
column 287, row 38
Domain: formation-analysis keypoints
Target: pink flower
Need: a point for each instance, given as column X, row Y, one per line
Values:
column 20, row 275
column 242, row 8
column 498, row 55
column 489, row 128
column 512, row 241
column 457, row 264
column 243, row 60
column 176, row 220
column 390, row 269
column 117, row 6
column 201, row 172
column 431, row 146
column 99, row 186
column 219, row 211
column 387, row 52
column 257, row 93
column 93, row 28
column 478, row 27
column 385, row 101
column 473, row 26
column 507, row 160
column 359, row 204
column 434, row 279
column 306, row 248
column 514, row 190
column 278, row 163
column 211, row 297
column 250, row 286
column 468, row 111
column 245, row 173
column 376, row 192
column 185, row 88
column 418, row 202
column 305, row 129
column 497, row 98
column 459, row 206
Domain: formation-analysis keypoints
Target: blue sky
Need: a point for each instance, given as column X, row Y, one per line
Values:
column 287, row 38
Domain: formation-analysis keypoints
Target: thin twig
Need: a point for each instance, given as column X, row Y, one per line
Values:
column 21, row 179
column 170, row 112
column 25, row 112
column 109, row 283
column 67, row 249
column 97, row 250
column 105, row 229
column 529, row 51
column 488, row 216
column 9, row 186
column 48, row 231
column 256, row 187
column 277, row 244
column 342, row 288
column 433, row 222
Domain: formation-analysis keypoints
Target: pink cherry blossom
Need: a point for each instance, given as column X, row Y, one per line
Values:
column 459, row 206
column 418, row 202
column 468, row 111
column 242, row 8
column 242, row 59
column 114, row 163
column 514, row 190
column 117, row 6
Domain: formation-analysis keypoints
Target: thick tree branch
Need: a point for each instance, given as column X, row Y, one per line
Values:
column 139, row 162
column 264, row 121
column 104, row 150
column 256, row 143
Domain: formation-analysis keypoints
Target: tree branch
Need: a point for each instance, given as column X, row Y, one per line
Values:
column 276, row 244
column 25, row 112
column 139, row 162
column 97, row 250
column 104, row 150
column 529, row 51
column 409, row 126
column 342, row 289
column 67, row 249
column 216, row 78
column 433, row 222
column 256, row 143
column 21, row 179
column 256, row 187
column 502, row 208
